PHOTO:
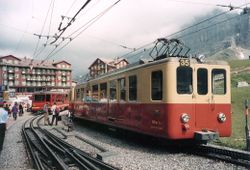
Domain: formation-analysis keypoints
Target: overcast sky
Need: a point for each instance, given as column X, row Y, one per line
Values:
column 130, row 23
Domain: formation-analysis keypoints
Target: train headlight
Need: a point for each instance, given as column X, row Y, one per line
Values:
column 222, row 117
column 185, row 118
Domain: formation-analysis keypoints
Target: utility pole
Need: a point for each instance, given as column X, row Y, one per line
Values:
column 247, row 127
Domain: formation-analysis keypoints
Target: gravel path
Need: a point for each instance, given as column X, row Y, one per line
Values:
column 13, row 155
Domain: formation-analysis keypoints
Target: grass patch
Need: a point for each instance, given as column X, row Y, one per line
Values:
column 237, row 139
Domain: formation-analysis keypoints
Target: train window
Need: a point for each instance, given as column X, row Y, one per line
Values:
column 156, row 85
column 39, row 98
column 48, row 98
column 184, row 80
column 103, row 92
column 112, row 90
column 132, row 88
column 219, row 81
column 202, row 81
column 78, row 94
column 95, row 92
column 122, row 88
column 82, row 93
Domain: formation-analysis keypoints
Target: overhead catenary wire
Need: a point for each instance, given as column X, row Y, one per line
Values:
column 81, row 29
column 46, row 43
column 70, row 22
column 44, row 23
column 184, row 29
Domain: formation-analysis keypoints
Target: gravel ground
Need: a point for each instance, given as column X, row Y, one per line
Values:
column 129, row 153
column 13, row 155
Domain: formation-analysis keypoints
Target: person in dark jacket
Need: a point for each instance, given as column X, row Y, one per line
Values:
column 14, row 111
column 20, row 109
column 3, row 121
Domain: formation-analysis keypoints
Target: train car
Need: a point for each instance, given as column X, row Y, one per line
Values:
column 175, row 98
column 50, row 97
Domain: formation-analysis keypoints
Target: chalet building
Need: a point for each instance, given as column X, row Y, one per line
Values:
column 101, row 66
column 26, row 75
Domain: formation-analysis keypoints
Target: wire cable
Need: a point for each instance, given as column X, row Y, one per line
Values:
column 46, row 43
column 70, row 22
column 85, row 26
column 38, row 41
column 205, row 20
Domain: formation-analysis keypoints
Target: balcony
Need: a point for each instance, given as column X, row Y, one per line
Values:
column 11, row 78
column 10, row 71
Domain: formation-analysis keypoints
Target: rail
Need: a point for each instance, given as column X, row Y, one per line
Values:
column 47, row 151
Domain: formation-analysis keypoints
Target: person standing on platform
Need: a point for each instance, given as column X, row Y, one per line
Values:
column 20, row 109
column 14, row 111
column 53, row 109
column 3, row 120
column 46, row 114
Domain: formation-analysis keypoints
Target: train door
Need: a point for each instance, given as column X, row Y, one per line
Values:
column 185, row 90
column 202, row 97
column 102, row 109
column 112, row 102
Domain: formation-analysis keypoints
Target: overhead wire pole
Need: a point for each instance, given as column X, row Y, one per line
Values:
column 70, row 22
column 86, row 25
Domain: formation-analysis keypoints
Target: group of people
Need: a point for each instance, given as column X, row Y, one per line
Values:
column 15, row 110
column 55, row 114
column 5, row 112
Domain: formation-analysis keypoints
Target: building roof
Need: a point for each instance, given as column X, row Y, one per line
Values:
column 7, row 56
column 110, row 62
column 29, row 62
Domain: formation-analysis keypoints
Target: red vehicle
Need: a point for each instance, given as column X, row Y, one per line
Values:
column 175, row 98
column 50, row 97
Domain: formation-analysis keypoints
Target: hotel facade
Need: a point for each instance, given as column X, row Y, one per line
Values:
column 25, row 75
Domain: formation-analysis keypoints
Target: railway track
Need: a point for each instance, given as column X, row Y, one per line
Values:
column 47, row 151
column 234, row 156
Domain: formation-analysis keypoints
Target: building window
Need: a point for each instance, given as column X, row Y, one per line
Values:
column 132, row 88
column 156, row 85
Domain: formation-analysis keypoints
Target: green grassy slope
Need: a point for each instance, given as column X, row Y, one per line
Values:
column 239, row 95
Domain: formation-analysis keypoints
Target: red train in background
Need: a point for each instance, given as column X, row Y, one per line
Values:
column 172, row 97
column 50, row 97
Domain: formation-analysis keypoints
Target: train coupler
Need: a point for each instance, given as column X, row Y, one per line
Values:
column 205, row 136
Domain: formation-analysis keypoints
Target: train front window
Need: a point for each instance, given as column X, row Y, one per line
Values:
column 39, row 98
column 184, row 80
column 202, row 81
column 219, row 81
column 48, row 98
column 156, row 85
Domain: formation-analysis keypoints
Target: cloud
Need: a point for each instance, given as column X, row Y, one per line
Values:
column 130, row 23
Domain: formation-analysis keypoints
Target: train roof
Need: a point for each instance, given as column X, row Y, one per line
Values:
column 50, row 92
column 147, row 63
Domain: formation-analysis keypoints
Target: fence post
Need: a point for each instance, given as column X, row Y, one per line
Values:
column 246, row 127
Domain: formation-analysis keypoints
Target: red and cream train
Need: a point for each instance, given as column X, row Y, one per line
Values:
column 174, row 98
